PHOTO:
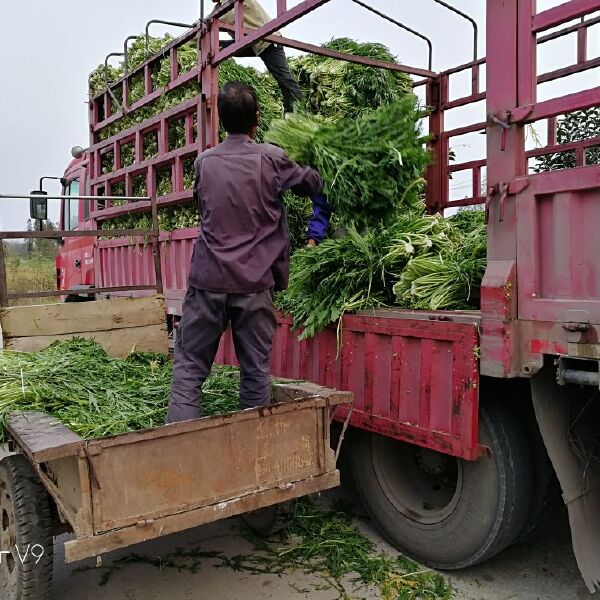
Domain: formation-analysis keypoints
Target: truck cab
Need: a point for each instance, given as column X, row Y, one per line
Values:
column 75, row 257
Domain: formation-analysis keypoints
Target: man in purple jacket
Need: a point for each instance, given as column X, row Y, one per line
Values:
column 240, row 258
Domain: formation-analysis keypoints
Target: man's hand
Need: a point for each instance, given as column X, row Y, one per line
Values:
column 311, row 243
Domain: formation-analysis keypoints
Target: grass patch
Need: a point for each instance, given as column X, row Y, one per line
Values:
column 30, row 274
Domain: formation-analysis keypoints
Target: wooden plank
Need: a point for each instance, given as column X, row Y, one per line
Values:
column 289, row 392
column 79, row 317
column 80, row 549
column 42, row 437
column 117, row 343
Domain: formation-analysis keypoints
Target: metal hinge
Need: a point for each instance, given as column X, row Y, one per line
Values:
column 510, row 117
column 145, row 523
column 504, row 190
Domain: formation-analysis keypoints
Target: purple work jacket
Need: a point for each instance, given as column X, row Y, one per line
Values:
column 243, row 246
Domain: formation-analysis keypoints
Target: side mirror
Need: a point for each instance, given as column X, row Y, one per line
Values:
column 38, row 207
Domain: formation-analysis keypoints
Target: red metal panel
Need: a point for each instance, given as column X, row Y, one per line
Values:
column 130, row 262
column 413, row 379
column 558, row 253
column 567, row 11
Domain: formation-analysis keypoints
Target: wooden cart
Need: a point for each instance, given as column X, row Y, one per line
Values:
column 121, row 490
column 118, row 491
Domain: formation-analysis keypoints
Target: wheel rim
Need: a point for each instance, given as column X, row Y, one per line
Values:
column 9, row 570
column 424, row 485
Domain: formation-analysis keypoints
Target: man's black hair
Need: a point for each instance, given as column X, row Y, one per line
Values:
column 238, row 106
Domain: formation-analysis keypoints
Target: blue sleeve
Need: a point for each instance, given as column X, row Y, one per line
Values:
column 317, row 228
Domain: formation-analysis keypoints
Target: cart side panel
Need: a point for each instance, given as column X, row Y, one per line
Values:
column 149, row 477
column 67, row 481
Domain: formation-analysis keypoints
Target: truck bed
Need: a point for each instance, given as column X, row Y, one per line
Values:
column 414, row 374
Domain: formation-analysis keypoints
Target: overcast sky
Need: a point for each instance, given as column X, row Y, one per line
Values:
column 49, row 48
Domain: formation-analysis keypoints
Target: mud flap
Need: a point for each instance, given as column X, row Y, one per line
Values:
column 580, row 482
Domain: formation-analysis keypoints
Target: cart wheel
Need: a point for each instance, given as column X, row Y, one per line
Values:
column 25, row 533
column 270, row 520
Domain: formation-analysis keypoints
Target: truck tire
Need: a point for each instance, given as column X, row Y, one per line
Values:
column 446, row 512
column 25, row 523
column 546, row 496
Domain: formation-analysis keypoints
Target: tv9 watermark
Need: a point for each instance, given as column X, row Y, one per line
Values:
column 32, row 553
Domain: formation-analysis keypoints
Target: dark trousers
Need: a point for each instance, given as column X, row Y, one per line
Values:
column 276, row 62
column 204, row 320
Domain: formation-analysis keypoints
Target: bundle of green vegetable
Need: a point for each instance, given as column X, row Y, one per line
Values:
column 267, row 91
column 334, row 89
column 338, row 89
column 95, row 395
column 416, row 261
column 450, row 278
column 372, row 165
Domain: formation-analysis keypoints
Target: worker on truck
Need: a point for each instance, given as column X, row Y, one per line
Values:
column 241, row 256
column 273, row 55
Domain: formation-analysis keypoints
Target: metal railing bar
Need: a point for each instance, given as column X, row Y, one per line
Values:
column 402, row 26
column 468, row 18
column 78, row 291
column 86, row 198
column 161, row 22
column 107, row 83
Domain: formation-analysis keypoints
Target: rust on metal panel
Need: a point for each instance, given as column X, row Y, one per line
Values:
column 499, row 338
column 171, row 474
column 90, row 546
column 413, row 379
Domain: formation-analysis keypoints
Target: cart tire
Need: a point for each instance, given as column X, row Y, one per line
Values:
column 446, row 512
column 25, row 523
column 271, row 520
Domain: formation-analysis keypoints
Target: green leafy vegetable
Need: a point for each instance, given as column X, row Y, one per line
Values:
column 372, row 165
column 416, row 261
column 338, row 89
column 96, row 395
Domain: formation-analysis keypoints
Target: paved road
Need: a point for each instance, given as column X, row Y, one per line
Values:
column 543, row 569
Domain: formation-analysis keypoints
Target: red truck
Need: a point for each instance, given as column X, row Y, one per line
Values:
column 455, row 412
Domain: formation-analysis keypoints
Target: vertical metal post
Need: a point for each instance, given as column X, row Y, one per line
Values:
column 476, row 182
column 511, row 83
column 156, row 245
column 3, row 283
column 582, row 42
column 239, row 20
column 281, row 7
column 436, row 94
column 174, row 63
column 209, row 44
